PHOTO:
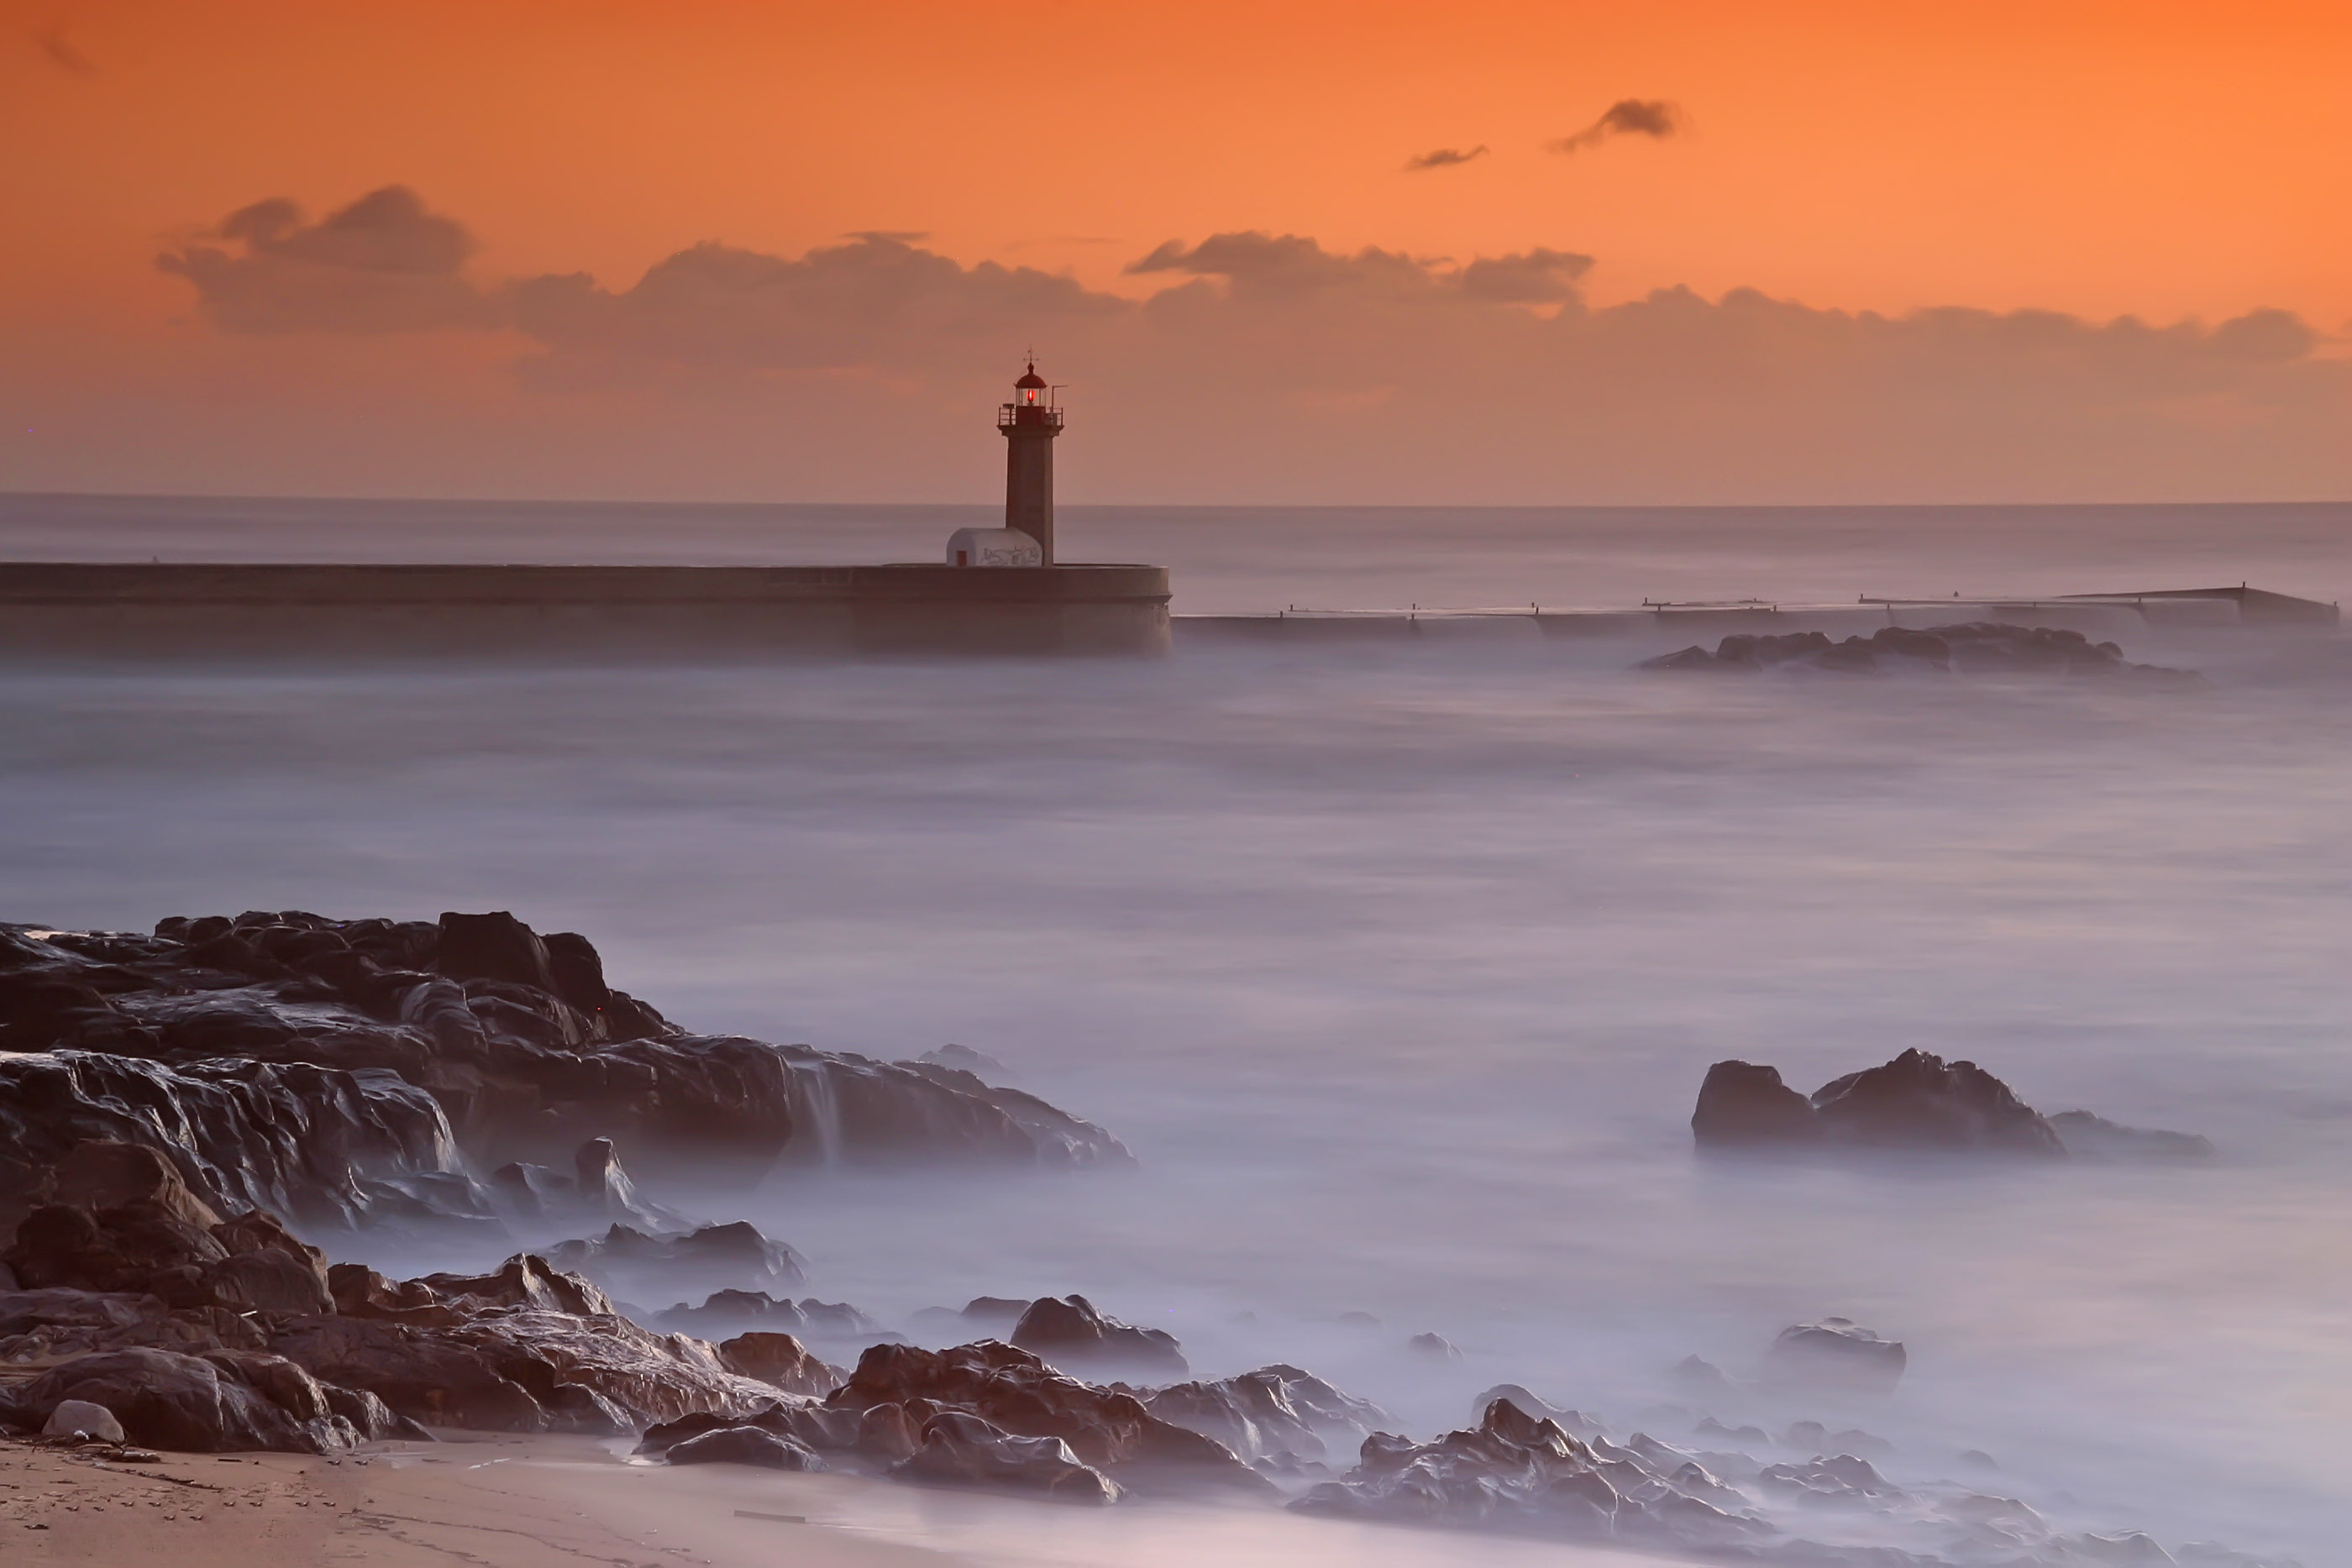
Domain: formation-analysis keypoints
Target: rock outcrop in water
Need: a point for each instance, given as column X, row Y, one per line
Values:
column 1975, row 648
column 1076, row 1337
column 347, row 1072
column 1916, row 1103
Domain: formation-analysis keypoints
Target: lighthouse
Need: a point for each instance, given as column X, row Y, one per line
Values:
column 1029, row 424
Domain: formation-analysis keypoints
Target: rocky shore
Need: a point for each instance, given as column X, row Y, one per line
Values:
column 185, row 1115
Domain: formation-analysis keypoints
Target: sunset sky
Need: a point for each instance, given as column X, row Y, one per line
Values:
column 1354, row 302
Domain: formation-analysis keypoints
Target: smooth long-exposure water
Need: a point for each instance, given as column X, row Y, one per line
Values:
column 1399, row 968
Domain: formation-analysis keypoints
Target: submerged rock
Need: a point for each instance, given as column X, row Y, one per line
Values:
column 733, row 1256
column 2094, row 1137
column 1916, row 1102
column 1076, row 1337
column 1837, row 1354
column 737, row 1312
column 1978, row 647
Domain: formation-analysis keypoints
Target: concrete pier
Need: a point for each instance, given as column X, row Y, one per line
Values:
column 625, row 612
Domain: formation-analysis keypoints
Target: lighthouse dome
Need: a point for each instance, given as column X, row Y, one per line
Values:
column 1032, row 379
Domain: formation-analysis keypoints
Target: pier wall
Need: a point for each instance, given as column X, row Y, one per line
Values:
column 624, row 613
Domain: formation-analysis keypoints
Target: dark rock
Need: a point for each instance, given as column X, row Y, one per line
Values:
column 522, row 1280
column 596, row 1188
column 1812, row 1437
column 1434, row 1346
column 123, row 1248
column 963, row 1058
column 1916, row 1103
column 1837, row 1354
column 1519, row 1473
column 1276, row 1412
column 165, row 1400
column 1919, row 1102
column 1741, row 1105
column 737, row 1312
column 329, row 1070
column 1013, row 1390
column 959, row 1448
column 744, row 1446
column 2087, row 1136
column 318, row 1144
column 992, row 1315
column 1973, row 648
column 735, row 1255
column 1575, row 1423
column 494, row 947
column 780, row 1359
column 370, row 1417
column 516, row 1368
column 1071, row 1333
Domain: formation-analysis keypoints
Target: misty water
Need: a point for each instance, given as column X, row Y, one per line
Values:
column 1398, row 966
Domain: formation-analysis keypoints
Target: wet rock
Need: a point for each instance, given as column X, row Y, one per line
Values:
column 1741, row 1105
column 993, row 1315
column 596, row 1188
column 1514, row 1471
column 1273, row 1413
column 1575, row 1423
column 1015, row 1391
column 2094, row 1137
column 780, row 1359
column 165, row 1400
column 963, row 1058
column 80, row 1418
column 735, row 1311
column 1813, row 1438
column 1835, row 1354
column 328, row 1070
column 1434, row 1347
column 1969, row 648
column 1916, row 1103
column 325, row 1146
column 1920, row 1101
column 717, row 1256
column 1839, row 1479
column 744, row 1446
column 961, row 1449
column 1072, row 1333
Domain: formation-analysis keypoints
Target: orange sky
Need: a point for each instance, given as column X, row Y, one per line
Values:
column 2098, row 159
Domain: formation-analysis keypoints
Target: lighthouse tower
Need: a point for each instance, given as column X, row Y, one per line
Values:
column 1029, row 422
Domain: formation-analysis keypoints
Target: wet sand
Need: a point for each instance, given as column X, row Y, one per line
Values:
column 541, row 1502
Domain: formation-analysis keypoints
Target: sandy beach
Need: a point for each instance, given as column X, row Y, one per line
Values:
column 541, row 1502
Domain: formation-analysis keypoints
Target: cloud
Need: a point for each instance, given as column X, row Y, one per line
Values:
column 1444, row 158
column 877, row 300
column 1653, row 117
column 61, row 51
column 1317, row 373
column 384, row 264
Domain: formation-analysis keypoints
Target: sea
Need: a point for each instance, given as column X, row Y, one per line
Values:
column 1398, row 965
